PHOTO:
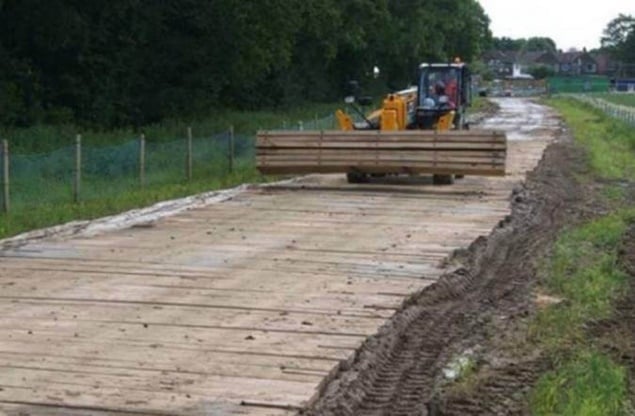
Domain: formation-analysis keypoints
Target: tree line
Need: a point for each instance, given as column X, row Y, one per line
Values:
column 109, row 63
column 619, row 38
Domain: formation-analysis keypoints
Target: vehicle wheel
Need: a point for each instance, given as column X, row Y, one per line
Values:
column 356, row 177
column 443, row 179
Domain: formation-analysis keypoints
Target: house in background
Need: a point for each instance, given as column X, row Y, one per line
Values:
column 606, row 64
column 500, row 63
column 577, row 63
column 548, row 59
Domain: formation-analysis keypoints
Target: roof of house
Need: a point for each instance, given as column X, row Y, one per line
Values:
column 539, row 57
column 572, row 57
column 499, row 55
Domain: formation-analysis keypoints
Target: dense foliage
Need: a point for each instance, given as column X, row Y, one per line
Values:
column 619, row 38
column 533, row 44
column 130, row 62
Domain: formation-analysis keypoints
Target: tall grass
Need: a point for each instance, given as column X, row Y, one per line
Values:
column 46, row 138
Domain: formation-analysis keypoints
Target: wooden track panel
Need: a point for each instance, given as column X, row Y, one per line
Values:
column 410, row 152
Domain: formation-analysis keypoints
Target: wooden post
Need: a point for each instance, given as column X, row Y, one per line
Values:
column 230, row 152
column 189, row 154
column 78, row 168
column 5, row 175
column 300, row 126
column 142, row 160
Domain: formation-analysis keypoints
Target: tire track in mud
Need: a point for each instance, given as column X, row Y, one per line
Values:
column 399, row 370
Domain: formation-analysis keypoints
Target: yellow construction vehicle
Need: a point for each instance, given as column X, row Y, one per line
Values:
column 420, row 130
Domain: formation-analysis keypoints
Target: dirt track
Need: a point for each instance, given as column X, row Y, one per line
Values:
column 245, row 306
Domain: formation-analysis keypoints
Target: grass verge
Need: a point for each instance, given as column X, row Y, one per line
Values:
column 610, row 143
column 583, row 272
column 619, row 98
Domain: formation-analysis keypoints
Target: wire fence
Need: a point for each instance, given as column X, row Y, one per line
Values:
column 79, row 172
column 625, row 113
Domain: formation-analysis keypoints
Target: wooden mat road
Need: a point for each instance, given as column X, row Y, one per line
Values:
column 241, row 307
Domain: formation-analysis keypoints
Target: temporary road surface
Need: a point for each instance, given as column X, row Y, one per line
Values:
column 242, row 306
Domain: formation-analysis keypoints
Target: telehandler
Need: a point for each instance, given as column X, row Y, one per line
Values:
column 420, row 130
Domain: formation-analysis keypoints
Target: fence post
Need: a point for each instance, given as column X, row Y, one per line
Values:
column 189, row 154
column 230, row 150
column 5, row 175
column 300, row 126
column 142, row 160
column 78, row 168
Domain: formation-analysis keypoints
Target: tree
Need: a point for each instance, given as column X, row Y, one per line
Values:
column 533, row 44
column 540, row 44
column 131, row 62
column 541, row 71
column 617, row 31
column 508, row 44
column 628, row 48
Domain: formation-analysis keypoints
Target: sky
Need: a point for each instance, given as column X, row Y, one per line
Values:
column 570, row 23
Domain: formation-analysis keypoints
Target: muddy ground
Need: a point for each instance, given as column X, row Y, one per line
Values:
column 479, row 314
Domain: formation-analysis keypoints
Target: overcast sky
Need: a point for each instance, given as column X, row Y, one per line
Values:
column 570, row 23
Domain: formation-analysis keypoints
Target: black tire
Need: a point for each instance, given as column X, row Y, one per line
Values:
column 443, row 179
column 356, row 177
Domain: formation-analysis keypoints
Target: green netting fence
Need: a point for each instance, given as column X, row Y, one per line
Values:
column 578, row 84
column 81, row 172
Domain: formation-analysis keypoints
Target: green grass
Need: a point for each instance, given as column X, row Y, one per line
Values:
column 583, row 271
column 619, row 98
column 480, row 104
column 590, row 384
column 46, row 138
column 610, row 143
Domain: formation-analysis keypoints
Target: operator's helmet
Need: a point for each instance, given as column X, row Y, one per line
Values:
column 428, row 103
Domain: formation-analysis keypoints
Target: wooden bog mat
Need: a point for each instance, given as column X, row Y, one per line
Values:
column 462, row 152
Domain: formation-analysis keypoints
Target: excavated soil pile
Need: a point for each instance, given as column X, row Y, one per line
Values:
column 475, row 314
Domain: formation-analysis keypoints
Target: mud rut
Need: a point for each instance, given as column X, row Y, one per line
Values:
column 398, row 372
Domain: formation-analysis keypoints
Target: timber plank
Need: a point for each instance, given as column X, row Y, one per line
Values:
column 304, row 169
